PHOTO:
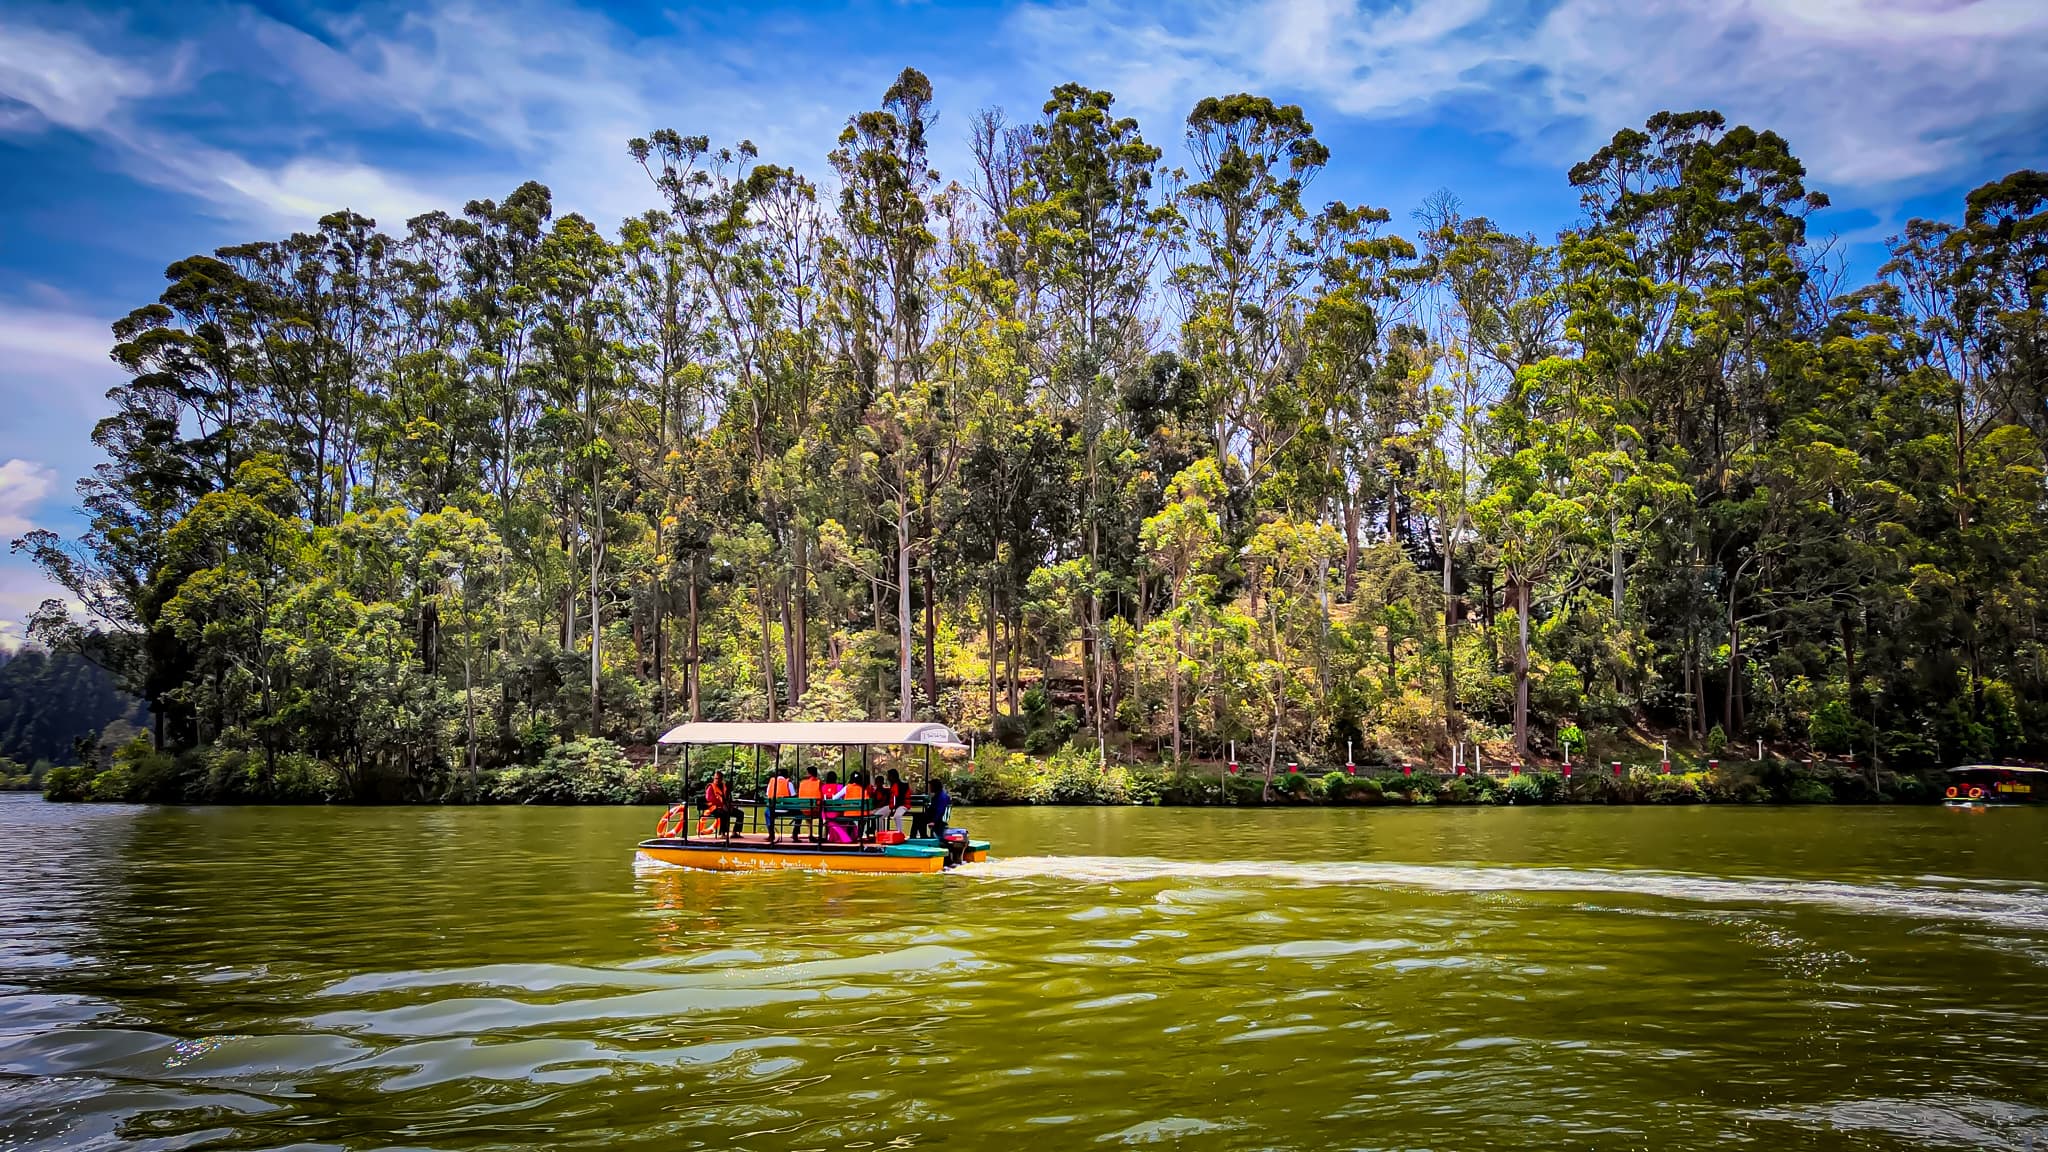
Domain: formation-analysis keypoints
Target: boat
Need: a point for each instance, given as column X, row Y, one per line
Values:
column 1995, row 786
column 732, row 847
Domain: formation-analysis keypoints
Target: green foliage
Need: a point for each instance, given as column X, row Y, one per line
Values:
column 1472, row 789
column 50, row 700
column 1810, row 792
column 394, row 514
column 1832, row 728
column 588, row 771
column 68, row 782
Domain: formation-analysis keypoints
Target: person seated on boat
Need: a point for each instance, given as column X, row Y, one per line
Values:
column 844, row 827
column 718, row 804
column 832, row 786
column 781, row 787
column 932, row 821
column 893, row 801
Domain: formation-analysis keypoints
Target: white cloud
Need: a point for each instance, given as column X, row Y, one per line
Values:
column 1870, row 92
column 24, row 484
column 22, row 591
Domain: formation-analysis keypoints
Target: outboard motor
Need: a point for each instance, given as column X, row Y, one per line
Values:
column 955, row 840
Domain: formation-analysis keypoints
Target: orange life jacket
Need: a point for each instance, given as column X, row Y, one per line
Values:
column 715, row 796
column 778, row 787
column 853, row 792
column 811, row 788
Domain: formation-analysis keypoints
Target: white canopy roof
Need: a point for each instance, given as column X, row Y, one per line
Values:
column 846, row 732
column 1997, row 768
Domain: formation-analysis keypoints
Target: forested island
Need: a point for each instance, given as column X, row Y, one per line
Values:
column 1103, row 461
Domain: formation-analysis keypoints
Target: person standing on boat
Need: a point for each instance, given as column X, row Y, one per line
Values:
column 932, row 821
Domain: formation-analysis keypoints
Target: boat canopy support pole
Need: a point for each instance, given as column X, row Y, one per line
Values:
column 686, row 792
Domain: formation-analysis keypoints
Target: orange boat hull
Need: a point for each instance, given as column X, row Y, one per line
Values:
column 759, row 856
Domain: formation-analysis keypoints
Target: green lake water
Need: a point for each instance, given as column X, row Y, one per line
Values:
column 1868, row 978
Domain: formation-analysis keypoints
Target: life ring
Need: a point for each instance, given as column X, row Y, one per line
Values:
column 1951, row 791
column 671, row 821
column 1976, row 793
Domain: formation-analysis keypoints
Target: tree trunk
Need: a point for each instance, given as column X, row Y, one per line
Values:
column 1350, row 545
column 990, row 621
column 790, row 694
column 767, row 648
column 1015, row 628
column 596, row 619
column 931, row 630
column 694, row 682
column 1173, row 703
column 1091, row 645
column 1452, row 728
column 906, row 700
column 469, row 713
column 1728, row 725
column 800, row 660
column 1522, row 669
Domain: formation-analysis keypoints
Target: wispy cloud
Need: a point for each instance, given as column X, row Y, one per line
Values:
column 64, row 82
column 53, row 335
column 55, row 79
column 560, row 106
column 1870, row 92
column 535, row 89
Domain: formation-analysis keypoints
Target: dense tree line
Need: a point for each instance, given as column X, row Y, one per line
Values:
column 50, row 700
column 1075, row 445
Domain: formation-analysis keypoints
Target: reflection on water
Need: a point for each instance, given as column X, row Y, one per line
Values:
column 501, row 978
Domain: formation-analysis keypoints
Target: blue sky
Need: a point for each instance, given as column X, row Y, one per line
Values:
column 130, row 137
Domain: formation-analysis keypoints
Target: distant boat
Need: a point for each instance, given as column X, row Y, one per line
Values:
column 1996, row 785
column 727, row 846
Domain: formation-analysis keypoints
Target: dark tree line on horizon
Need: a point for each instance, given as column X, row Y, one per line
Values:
column 1071, row 444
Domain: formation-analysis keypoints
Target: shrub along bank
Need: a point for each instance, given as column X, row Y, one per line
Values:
column 1075, row 777
column 599, row 772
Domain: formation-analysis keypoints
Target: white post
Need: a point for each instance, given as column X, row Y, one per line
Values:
column 1759, row 748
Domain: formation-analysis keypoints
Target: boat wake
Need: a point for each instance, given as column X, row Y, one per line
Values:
column 2003, row 905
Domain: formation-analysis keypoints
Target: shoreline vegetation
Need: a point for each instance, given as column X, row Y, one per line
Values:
column 1084, row 453
column 598, row 772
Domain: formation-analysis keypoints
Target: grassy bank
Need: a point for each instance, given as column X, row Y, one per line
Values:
column 600, row 772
